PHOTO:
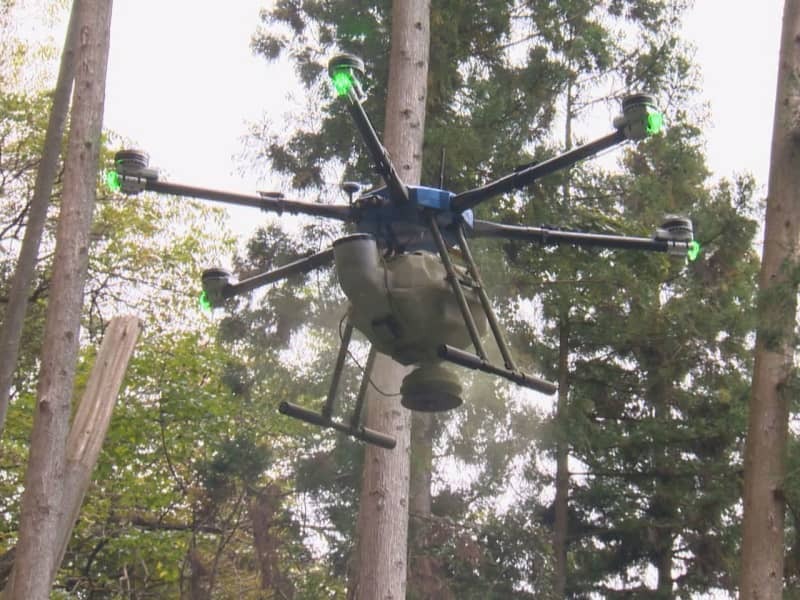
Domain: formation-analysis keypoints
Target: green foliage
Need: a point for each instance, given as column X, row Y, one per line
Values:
column 191, row 450
column 659, row 376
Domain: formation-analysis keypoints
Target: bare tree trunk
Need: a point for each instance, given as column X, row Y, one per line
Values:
column 561, row 526
column 90, row 425
column 44, row 479
column 764, row 504
column 11, row 329
column 426, row 580
column 382, row 528
column 264, row 510
column 561, row 501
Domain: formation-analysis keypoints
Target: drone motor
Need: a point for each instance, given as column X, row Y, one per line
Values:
column 128, row 161
column 214, row 282
column 132, row 172
column 351, row 188
column 675, row 228
column 640, row 118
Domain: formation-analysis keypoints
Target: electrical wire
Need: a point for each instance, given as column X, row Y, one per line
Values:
column 362, row 368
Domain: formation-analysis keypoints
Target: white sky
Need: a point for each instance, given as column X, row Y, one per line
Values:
column 183, row 83
column 737, row 48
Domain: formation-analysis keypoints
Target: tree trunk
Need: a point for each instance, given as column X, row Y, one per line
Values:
column 264, row 510
column 561, row 527
column 44, row 479
column 762, row 530
column 382, row 529
column 561, row 524
column 662, row 510
column 426, row 581
column 11, row 330
column 198, row 576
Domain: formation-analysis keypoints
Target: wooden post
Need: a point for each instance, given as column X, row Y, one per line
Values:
column 90, row 425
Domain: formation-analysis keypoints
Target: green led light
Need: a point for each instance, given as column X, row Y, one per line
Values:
column 694, row 250
column 112, row 181
column 342, row 82
column 655, row 121
column 205, row 303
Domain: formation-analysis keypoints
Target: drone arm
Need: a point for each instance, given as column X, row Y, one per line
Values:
column 271, row 203
column 303, row 265
column 379, row 154
column 522, row 178
column 217, row 286
column 551, row 237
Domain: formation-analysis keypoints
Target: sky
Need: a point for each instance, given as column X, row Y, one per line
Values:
column 183, row 85
column 737, row 48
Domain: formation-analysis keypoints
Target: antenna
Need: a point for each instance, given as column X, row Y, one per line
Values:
column 441, row 167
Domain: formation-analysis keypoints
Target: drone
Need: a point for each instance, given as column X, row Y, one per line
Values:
column 413, row 287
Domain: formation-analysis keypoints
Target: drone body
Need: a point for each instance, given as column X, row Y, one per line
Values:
column 407, row 294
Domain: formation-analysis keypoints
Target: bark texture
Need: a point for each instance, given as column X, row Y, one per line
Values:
column 427, row 579
column 382, row 529
column 91, row 422
column 560, row 528
column 764, row 505
column 265, row 510
column 11, row 330
column 44, row 478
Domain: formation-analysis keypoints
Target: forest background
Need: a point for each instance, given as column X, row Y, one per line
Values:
column 237, row 503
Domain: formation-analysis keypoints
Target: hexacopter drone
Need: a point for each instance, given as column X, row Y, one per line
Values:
column 407, row 295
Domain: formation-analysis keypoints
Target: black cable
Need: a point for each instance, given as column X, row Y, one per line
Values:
column 363, row 369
